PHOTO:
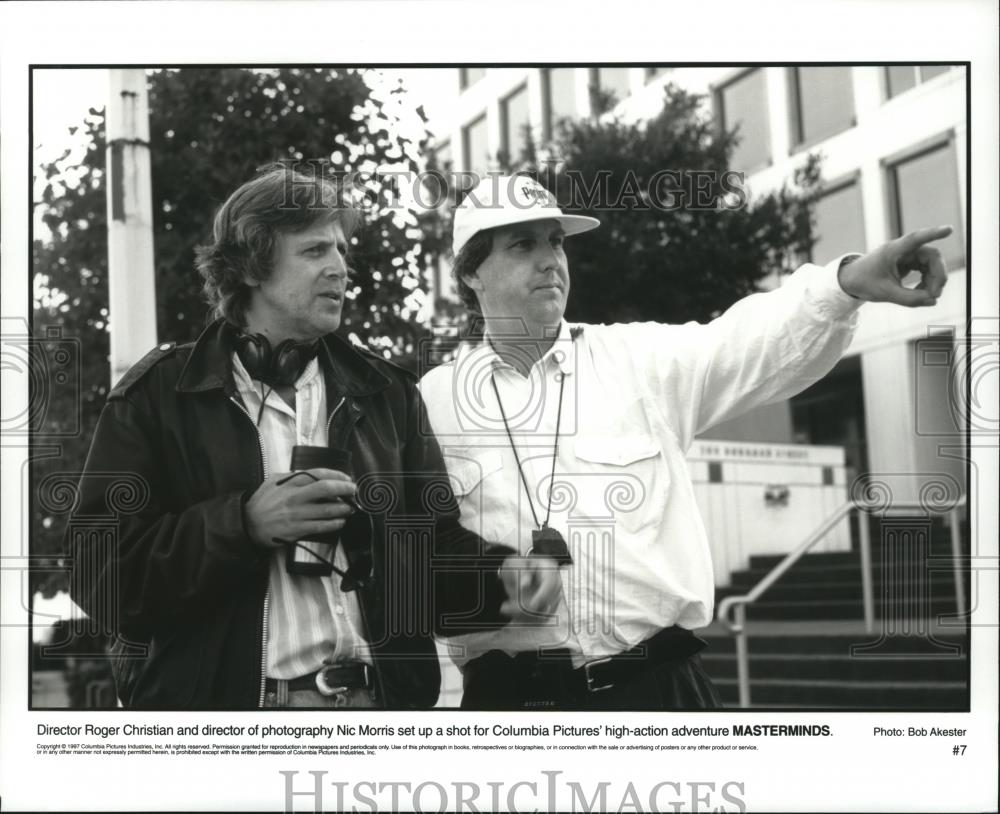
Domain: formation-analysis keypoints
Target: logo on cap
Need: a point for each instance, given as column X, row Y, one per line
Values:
column 504, row 200
column 534, row 193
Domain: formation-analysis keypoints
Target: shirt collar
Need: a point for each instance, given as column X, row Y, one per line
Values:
column 311, row 371
column 562, row 354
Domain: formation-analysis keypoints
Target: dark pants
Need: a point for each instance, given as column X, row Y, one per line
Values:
column 655, row 680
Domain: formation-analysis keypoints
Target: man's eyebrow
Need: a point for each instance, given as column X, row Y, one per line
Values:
column 321, row 242
column 518, row 233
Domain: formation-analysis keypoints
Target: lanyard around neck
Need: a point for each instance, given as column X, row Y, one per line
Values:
column 555, row 449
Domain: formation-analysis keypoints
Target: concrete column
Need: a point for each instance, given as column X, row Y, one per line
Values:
column 890, row 422
column 776, row 82
column 132, row 293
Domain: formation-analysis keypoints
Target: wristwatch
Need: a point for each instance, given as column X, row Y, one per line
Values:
column 848, row 259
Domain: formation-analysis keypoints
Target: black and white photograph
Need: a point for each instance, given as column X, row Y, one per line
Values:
column 578, row 406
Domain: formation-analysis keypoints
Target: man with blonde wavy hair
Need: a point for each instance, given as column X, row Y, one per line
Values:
column 206, row 588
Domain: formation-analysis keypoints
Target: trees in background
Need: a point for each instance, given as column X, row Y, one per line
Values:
column 209, row 131
column 681, row 236
column 670, row 248
column 662, row 253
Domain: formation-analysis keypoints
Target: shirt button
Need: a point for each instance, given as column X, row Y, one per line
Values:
column 338, row 609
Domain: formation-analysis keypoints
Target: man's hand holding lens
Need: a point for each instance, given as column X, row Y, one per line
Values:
column 292, row 506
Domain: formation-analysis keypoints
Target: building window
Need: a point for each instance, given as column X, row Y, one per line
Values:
column 467, row 77
column 900, row 78
column 840, row 226
column 442, row 156
column 742, row 104
column 822, row 102
column 558, row 98
column 515, row 124
column 608, row 86
column 937, row 381
column 924, row 192
column 831, row 412
column 475, row 146
column 927, row 72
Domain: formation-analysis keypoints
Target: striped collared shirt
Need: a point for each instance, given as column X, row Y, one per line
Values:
column 310, row 622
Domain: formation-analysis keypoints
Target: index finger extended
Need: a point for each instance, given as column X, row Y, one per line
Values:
column 912, row 241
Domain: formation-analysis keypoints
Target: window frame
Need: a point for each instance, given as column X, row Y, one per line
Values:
column 505, row 117
column 466, row 152
column 545, row 78
column 463, row 76
column 594, row 83
column 796, row 135
column 918, row 77
column 719, row 113
column 889, row 164
column 841, row 182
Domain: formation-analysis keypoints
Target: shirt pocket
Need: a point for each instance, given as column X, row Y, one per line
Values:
column 467, row 468
column 476, row 478
column 621, row 477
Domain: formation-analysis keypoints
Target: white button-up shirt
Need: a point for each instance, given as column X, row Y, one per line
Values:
column 310, row 621
column 634, row 398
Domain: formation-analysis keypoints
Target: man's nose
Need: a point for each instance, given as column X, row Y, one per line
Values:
column 337, row 267
column 548, row 258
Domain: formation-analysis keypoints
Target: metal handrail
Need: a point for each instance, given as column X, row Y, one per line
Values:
column 738, row 604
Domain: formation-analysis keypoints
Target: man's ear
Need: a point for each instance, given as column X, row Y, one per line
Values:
column 473, row 281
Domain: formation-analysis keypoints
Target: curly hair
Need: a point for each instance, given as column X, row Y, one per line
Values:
column 278, row 199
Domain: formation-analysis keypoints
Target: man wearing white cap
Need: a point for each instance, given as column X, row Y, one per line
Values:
column 567, row 442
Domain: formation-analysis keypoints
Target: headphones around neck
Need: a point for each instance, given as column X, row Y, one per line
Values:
column 280, row 366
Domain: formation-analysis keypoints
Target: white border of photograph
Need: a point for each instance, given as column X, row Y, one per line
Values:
column 851, row 770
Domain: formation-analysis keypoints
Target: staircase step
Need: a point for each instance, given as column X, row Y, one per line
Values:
column 806, row 610
column 808, row 648
column 839, row 667
column 909, row 647
column 828, row 558
column 841, row 591
column 860, row 695
column 847, row 573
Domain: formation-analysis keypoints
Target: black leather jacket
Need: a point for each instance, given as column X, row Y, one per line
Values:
column 181, row 588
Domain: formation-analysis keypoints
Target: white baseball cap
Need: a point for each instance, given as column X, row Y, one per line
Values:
column 500, row 200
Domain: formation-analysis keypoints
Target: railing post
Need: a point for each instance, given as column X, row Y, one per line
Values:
column 956, row 558
column 867, row 590
column 742, row 657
